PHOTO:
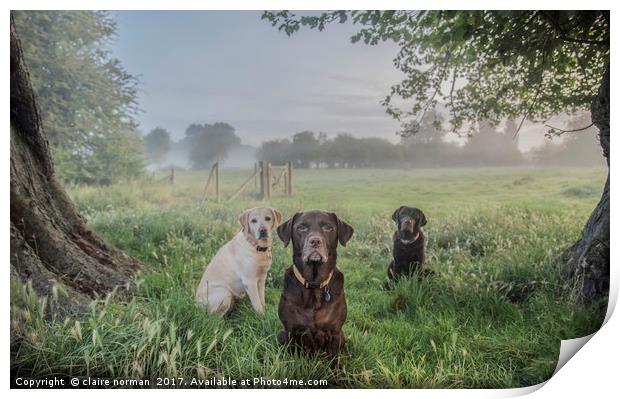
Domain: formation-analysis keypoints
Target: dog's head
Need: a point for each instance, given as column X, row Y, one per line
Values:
column 315, row 236
column 409, row 220
column 257, row 224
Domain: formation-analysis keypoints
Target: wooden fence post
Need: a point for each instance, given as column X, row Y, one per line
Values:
column 261, row 179
column 171, row 175
column 265, row 184
column 255, row 175
column 289, row 178
column 217, row 181
column 269, row 180
column 204, row 196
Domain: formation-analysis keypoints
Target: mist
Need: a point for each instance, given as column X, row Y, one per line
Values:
column 232, row 67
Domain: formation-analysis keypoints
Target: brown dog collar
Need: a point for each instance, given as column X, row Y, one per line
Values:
column 311, row 284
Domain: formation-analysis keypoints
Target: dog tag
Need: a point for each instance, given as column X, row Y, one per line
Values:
column 326, row 295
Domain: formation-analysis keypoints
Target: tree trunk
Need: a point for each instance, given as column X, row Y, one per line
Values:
column 587, row 261
column 50, row 242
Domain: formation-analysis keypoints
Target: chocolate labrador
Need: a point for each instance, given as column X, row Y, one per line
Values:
column 408, row 250
column 312, row 306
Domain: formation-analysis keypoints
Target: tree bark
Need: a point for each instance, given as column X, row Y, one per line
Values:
column 587, row 261
column 50, row 241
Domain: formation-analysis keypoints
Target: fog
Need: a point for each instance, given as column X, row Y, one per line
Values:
column 208, row 67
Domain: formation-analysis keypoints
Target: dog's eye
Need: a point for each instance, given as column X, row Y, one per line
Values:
column 254, row 220
column 301, row 227
column 328, row 227
column 267, row 218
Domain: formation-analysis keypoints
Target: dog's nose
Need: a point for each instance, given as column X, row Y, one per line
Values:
column 407, row 222
column 315, row 241
column 262, row 233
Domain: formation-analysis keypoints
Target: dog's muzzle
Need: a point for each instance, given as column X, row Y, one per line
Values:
column 407, row 225
column 315, row 251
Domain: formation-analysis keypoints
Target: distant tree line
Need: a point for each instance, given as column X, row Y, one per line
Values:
column 427, row 148
column 430, row 147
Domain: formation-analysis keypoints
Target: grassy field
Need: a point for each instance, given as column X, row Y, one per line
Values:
column 493, row 315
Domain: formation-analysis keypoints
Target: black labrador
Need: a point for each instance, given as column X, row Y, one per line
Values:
column 408, row 251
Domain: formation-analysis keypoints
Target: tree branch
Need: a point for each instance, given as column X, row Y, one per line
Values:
column 559, row 131
column 538, row 89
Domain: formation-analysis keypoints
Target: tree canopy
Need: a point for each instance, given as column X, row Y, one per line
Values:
column 481, row 65
column 210, row 143
column 157, row 145
column 88, row 101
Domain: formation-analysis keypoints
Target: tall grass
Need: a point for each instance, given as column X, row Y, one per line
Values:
column 492, row 316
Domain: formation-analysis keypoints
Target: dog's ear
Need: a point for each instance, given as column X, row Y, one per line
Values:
column 344, row 230
column 277, row 217
column 285, row 230
column 396, row 212
column 421, row 218
column 243, row 218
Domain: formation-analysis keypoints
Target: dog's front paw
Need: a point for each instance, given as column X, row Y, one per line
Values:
column 283, row 338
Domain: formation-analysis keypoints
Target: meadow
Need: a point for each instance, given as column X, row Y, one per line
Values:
column 491, row 317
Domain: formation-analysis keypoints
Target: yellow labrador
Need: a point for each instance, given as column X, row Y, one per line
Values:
column 241, row 265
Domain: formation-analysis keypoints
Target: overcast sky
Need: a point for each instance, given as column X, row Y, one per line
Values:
column 214, row 66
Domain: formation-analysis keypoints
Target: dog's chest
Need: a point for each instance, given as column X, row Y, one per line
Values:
column 255, row 260
column 263, row 262
column 407, row 251
column 315, row 313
